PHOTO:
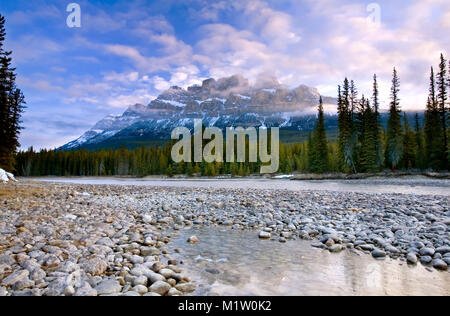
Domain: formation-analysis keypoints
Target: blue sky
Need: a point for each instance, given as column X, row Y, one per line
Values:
column 130, row 51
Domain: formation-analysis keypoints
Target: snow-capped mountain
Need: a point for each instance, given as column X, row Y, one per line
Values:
column 225, row 102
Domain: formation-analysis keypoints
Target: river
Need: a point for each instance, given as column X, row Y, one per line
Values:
column 406, row 185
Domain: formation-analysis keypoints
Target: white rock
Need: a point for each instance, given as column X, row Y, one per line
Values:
column 264, row 235
column 70, row 216
column 160, row 287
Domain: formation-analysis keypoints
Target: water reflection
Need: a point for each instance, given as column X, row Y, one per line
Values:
column 256, row 267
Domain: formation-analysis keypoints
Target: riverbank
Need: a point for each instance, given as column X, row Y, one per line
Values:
column 85, row 239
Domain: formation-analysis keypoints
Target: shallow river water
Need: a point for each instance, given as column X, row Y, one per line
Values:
column 406, row 185
column 230, row 262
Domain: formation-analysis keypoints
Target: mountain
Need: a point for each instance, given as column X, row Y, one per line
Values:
column 222, row 103
column 230, row 101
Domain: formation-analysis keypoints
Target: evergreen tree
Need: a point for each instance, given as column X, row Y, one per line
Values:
column 319, row 147
column 442, row 102
column 394, row 141
column 346, row 154
column 368, row 149
column 377, row 127
column 11, row 106
column 433, row 129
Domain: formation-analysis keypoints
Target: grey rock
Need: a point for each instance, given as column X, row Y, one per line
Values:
column 108, row 286
column 443, row 249
column 427, row 251
column 15, row 277
column 377, row 253
column 439, row 264
column 426, row 260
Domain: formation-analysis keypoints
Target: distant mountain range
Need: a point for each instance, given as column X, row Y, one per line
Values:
column 221, row 103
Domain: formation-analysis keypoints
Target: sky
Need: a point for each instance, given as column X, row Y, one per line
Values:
column 128, row 52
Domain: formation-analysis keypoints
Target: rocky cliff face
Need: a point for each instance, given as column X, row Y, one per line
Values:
column 224, row 102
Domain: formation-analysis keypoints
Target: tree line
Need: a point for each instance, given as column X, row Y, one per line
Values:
column 363, row 146
column 12, row 104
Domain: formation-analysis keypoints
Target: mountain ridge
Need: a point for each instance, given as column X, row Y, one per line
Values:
column 229, row 101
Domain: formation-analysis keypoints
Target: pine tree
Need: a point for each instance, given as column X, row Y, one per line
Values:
column 319, row 146
column 346, row 153
column 433, row 129
column 442, row 102
column 377, row 127
column 11, row 106
column 394, row 141
column 368, row 149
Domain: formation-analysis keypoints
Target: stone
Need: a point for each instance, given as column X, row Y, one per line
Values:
column 141, row 289
column 174, row 292
column 167, row 273
column 427, row 252
column 7, row 260
column 160, row 287
column 366, row 247
column 140, row 280
column 411, row 258
column 318, row 245
column 185, row 287
column 69, row 291
column 95, row 266
column 149, row 251
column 85, row 290
column 152, row 294
column 439, row 264
column 154, row 277
column 193, row 240
column 130, row 293
column 336, row 248
column 264, row 235
column 23, row 284
column 15, row 277
column 443, row 250
column 108, row 286
column 426, row 260
column 391, row 249
column 37, row 274
column 377, row 253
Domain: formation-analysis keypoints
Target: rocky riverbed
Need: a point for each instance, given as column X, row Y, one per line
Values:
column 78, row 239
